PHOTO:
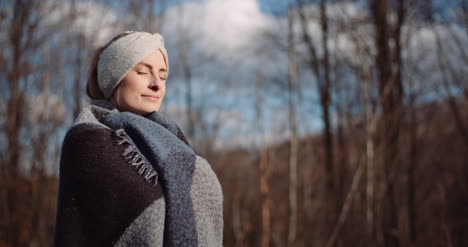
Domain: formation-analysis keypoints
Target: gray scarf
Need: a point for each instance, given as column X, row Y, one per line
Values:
column 172, row 160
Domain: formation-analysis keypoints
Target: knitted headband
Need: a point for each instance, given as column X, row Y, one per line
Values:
column 123, row 54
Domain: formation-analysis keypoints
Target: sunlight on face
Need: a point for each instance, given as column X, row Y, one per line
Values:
column 142, row 89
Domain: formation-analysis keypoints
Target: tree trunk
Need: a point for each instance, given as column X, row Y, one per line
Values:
column 293, row 151
column 390, row 92
column 190, row 113
column 370, row 159
column 325, row 102
column 413, row 159
column 14, row 122
column 401, row 193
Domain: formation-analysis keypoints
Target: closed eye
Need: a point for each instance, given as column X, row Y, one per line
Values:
column 163, row 75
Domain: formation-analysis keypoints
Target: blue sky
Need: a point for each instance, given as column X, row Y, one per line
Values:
column 273, row 7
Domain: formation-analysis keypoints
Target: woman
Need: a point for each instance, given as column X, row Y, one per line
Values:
column 128, row 176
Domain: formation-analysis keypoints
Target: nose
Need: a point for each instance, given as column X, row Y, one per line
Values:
column 155, row 83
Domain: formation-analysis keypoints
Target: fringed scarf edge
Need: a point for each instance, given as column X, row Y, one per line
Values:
column 134, row 158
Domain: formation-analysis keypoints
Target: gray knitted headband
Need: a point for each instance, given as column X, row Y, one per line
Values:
column 123, row 54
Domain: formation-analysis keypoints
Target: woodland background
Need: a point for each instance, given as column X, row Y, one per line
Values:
column 328, row 122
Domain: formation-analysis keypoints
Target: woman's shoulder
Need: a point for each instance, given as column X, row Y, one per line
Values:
column 86, row 131
column 85, row 137
column 82, row 143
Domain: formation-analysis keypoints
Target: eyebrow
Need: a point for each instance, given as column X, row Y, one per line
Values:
column 151, row 67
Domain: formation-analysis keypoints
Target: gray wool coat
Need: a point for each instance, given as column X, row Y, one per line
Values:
column 106, row 199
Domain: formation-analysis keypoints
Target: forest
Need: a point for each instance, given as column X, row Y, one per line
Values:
column 328, row 122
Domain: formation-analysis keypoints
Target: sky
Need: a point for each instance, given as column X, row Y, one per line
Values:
column 230, row 43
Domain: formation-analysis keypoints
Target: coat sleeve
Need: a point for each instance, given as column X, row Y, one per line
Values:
column 101, row 194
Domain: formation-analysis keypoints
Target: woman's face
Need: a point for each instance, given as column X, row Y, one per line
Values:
column 142, row 89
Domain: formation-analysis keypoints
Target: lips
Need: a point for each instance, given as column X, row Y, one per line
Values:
column 153, row 97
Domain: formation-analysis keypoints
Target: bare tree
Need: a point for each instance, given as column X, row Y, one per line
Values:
column 263, row 165
column 26, row 38
column 187, row 73
column 293, row 150
column 21, row 37
column 401, row 195
column 78, row 65
column 325, row 99
column 321, row 69
column 370, row 157
column 393, row 177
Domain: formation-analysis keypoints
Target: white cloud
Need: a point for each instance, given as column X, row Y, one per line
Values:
column 226, row 28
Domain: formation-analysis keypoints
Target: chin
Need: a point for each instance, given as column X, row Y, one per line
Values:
column 149, row 110
column 145, row 109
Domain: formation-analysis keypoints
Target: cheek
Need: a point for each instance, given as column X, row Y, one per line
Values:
column 130, row 90
column 124, row 96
